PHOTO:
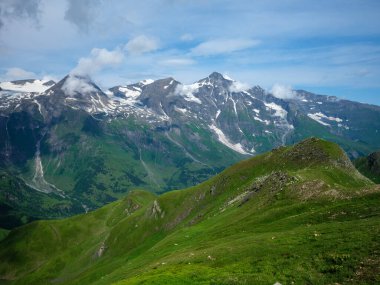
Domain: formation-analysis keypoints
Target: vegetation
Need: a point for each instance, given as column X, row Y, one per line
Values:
column 370, row 166
column 300, row 214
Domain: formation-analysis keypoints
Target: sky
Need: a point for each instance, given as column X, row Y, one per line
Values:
column 328, row 47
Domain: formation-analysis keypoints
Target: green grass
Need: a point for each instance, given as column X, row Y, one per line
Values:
column 309, row 218
column 3, row 233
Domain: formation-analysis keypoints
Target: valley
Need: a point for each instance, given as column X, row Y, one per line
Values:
column 189, row 142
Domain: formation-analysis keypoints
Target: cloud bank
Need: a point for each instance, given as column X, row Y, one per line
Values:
column 238, row 86
column 223, row 46
column 81, row 13
column 15, row 73
column 141, row 44
column 283, row 91
column 98, row 60
column 19, row 9
column 177, row 62
column 101, row 58
column 75, row 85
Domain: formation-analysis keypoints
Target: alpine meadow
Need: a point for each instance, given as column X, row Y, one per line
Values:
column 189, row 142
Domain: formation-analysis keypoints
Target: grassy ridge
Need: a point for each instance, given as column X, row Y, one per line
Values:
column 298, row 214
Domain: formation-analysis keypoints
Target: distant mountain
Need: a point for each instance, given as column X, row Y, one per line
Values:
column 370, row 166
column 301, row 214
column 88, row 146
column 28, row 85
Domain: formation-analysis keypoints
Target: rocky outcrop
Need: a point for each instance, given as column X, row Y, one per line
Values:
column 156, row 210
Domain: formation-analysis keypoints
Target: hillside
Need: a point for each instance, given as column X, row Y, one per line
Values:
column 299, row 214
column 83, row 148
column 370, row 166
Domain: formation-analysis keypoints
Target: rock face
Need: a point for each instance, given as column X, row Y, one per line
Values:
column 101, row 250
column 156, row 211
column 93, row 145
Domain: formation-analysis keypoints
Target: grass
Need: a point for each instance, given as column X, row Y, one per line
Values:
column 299, row 214
column 3, row 233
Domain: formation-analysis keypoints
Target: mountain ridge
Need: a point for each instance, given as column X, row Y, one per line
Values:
column 94, row 145
column 239, row 224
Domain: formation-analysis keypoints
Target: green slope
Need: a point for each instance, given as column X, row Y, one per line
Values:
column 20, row 204
column 94, row 162
column 299, row 214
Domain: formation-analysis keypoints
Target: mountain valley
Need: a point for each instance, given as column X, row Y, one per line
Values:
column 74, row 147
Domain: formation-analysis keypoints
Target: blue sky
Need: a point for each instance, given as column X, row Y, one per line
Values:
column 329, row 47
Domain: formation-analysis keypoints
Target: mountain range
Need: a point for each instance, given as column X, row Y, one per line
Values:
column 69, row 147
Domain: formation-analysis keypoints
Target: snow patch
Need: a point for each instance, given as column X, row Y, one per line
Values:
column 224, row 140
column 319, row 116
column 217, row 114
column 234, row 104
column 260, row 120
column 130, row 92
column 180, row 110
column 36, row 86
column 278, row 110
column 170, row 83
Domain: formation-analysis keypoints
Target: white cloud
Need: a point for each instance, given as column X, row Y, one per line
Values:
column 74, row 84
column 238, row 86
column 187, row 92
column 15, row 73
column 98, row 60
column 177, row 62
column 222, row 46
column 50, row 77
column 141, row 44
column 283, row 91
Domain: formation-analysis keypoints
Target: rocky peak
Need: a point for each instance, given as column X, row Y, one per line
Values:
column 217, row 76
column 155, row 94
column 49, row 83
column 166, row 84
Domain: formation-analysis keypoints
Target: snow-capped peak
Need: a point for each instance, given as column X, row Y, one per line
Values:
column 27, row 86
